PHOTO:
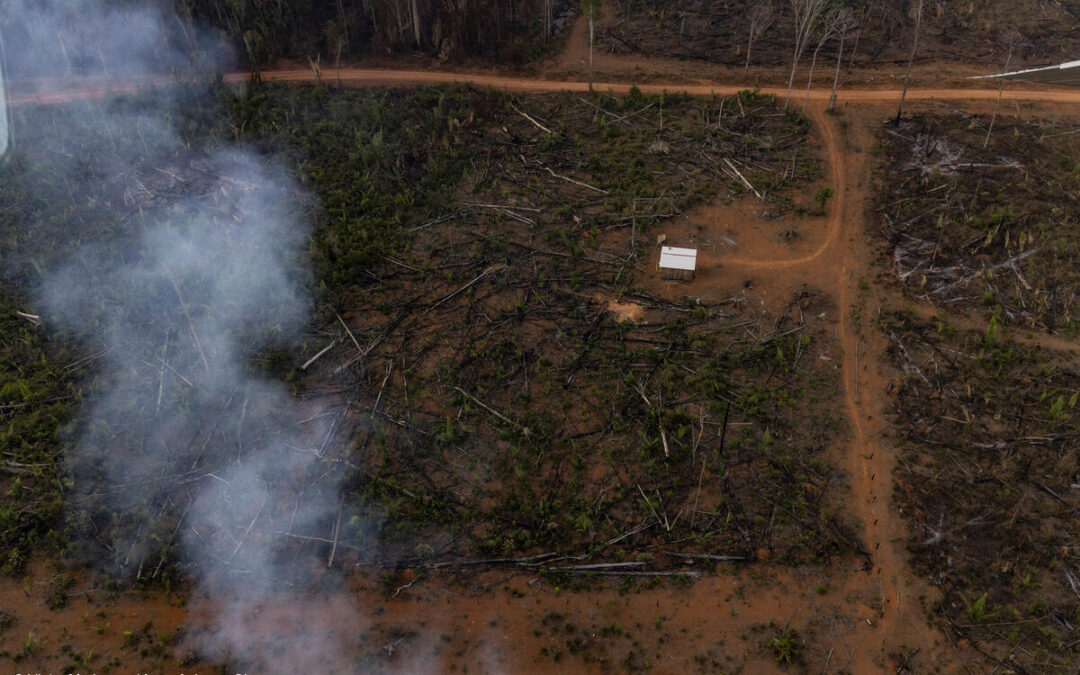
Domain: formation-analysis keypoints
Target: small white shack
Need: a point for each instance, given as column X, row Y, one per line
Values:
column 678, row 264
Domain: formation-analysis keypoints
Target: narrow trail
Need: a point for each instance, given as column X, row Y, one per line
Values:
column 837, row 215
column 1029, row 337
column 869, row 465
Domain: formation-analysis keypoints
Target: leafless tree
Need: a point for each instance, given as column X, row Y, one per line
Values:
column 415, row 21
column 858, row 34
column 827, row 29
column 917, row 14
column 761, row 18
column 807, row 14
column 846, row 23
column 1011, row 39
column 592, row 11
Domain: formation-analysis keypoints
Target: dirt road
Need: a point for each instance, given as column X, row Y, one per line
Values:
column 59, row 91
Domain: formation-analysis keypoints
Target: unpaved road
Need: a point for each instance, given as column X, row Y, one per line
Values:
column 59, row 91
column 842, row 256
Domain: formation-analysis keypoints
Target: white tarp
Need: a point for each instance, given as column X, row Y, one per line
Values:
column 675, row 258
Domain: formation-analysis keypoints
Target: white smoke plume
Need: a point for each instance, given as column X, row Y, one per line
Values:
column 185, row 450
column 49, row 43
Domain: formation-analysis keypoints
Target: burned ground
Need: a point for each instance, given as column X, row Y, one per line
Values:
column 962, row 32
column 484, row 401
column 981, row 223
column 508, row 412
column 985, row 429
column 985, row 220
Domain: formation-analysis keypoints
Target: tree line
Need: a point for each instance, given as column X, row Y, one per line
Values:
column 513, row 30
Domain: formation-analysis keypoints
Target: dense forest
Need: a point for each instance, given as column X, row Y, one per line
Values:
column 114, row 36
column 512, row 30
column 126, row 37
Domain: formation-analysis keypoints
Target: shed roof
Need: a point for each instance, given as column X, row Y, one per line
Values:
column 675, row 258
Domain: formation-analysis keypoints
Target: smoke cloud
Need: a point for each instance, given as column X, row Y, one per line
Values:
column 185, row 451
column 54, row 40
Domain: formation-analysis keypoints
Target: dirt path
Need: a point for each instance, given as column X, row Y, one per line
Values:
column 870, row 464
column 926, row 311
column 837, row 265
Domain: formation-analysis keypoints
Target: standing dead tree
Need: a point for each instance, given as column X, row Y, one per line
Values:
column 858, row 33
column 549, row 19
column 807, row 14
column 592, row 11
column 761, row 19
column 1012, row 38
column 846, row 22
column 917, row 15
column 828, row 28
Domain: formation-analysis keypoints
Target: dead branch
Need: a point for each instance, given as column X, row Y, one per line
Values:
column 507, row 211
column 333, row 343
column 467, row 286
column 968, row 279
column 440, row 219
column 691, row 574
column 401, row 588
column 480, row 403
column 528, row 561
column 337, row 528
column 909, row 363
column 321, row 540
column 629, row 533
column 526, row 115
column 352, row 337
column 191, row 325
column 32, row 318
column 575, row 182
column 1074, row 583
column 742, row 178
column 617, row 118
column 1047, row 490
column 659, row 423
column 20, row 469
column 501, row 207
column 599, row 566
column 243, row 537
column 705, row 556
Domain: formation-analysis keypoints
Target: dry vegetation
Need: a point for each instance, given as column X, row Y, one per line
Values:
column 985, row 424
column 484, row 401
column 961, row 31
column 509, row 412
column 991, row 228
column 987, row 478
